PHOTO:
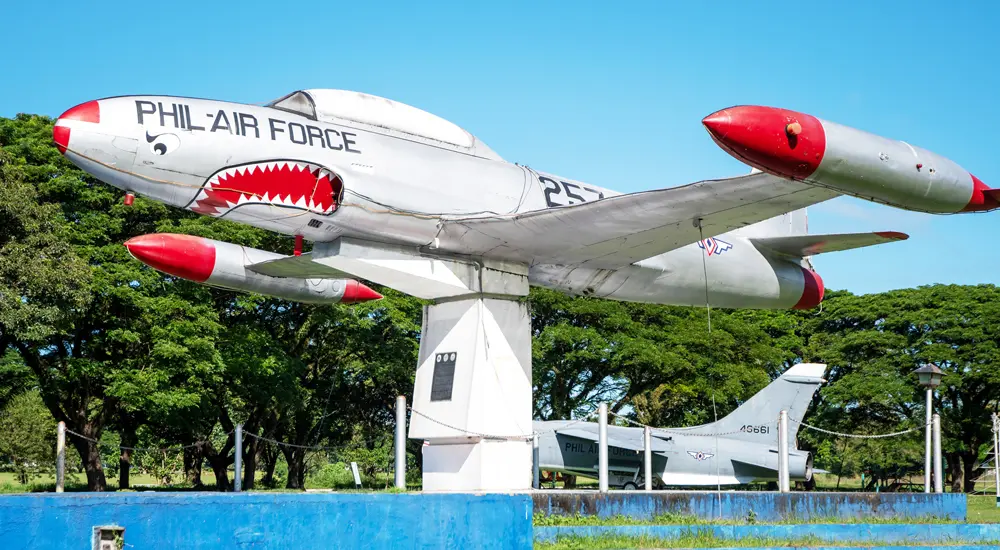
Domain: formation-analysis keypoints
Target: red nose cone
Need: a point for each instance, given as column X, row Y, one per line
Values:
column 812, row 290
column 184, row 256
column 356, row 292
column 782, row 142
column 60, row 135
column 983, row 198
column 85, row 112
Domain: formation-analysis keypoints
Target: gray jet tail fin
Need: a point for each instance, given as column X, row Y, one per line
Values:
column 757, row 418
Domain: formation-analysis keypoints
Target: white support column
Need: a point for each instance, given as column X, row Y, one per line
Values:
column 535, row 478
column 400, row 469
column 783, row 482
column 238, row 462
column 61, row 457
column 602, row 448
column 647, row 457
column 938, row 477
column 472, row 390
column 927, row 442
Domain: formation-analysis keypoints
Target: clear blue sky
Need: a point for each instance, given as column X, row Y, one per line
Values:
column 603, row 92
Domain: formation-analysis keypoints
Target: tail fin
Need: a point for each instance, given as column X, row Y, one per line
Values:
column 792, row 391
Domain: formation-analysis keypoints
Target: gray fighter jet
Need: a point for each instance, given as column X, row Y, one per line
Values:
column 738, row 449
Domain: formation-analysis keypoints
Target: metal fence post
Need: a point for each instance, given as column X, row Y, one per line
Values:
column 938, row 477
column 535, row 478
column 238, row 463
column 783, row 484
column 401, row 442
column 647, row 457
column 927, row 442
column 61, row 457
column 602, row 445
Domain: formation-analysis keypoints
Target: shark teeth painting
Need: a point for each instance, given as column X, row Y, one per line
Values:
column 282, row 183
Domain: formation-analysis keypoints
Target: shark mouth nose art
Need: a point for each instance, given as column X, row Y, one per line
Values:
column 291, row 184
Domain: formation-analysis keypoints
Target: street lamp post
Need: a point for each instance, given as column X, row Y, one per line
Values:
column 930, row 378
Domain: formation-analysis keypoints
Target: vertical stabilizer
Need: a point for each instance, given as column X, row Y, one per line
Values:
column 757, row 419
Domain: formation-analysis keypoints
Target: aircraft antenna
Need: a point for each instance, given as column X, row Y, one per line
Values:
column 704, row 269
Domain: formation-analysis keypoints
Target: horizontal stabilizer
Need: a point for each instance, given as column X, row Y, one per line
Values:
column 809, row 245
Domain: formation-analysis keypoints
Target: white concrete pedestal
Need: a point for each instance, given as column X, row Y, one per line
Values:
column 472, row 396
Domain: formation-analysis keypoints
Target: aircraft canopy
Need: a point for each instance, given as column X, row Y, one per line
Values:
column 380, row 114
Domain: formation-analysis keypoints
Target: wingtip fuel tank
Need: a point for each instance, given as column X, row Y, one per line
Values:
column 802, row 147
column 223, row 265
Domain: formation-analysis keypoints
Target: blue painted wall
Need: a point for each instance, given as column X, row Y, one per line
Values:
column 761, row 506
column 841, row 533
column 268, row 520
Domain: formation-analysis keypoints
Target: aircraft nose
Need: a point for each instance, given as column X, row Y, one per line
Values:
column 89, row 112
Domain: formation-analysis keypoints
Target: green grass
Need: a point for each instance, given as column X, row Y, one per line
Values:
column 707, row 540
column 983, row 509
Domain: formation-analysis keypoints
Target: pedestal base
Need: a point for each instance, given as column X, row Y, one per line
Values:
column 472, row 396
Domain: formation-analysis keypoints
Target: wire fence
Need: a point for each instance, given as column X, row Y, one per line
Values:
column 378, row 464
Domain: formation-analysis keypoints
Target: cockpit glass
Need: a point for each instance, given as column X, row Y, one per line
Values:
column 296, row 102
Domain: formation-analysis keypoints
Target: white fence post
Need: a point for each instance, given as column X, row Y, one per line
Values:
column 602, row 444
column 61, row 457
column 647, row 458
column 238, row 462
column 938, row 477
column 996, row 454
column 400, row 474
column 783, row 483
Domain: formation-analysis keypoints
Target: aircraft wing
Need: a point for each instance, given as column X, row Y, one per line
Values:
column 617, row 231
column 656, row 444
column 810, row 245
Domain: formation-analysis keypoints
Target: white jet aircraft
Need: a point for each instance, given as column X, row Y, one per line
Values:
column 398, row 196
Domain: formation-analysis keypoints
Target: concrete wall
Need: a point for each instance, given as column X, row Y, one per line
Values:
column 268, row 520
column 762, row 506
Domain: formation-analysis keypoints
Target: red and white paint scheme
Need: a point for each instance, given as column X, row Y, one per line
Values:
column 392, row 194
column 802, row 147
column 223, row 265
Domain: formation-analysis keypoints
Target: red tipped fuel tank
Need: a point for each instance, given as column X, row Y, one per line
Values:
column 224, row 265
column 802, row 147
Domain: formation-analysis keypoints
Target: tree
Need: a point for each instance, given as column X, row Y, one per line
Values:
column 28, row 436
column 102, row 334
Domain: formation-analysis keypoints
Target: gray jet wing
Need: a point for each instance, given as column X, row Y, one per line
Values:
column 617, row 231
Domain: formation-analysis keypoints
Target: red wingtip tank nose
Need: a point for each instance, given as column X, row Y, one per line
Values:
column 84, row 112
column 184, row 256
column 782, row 142
column 983, row 198
column 356, row 292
